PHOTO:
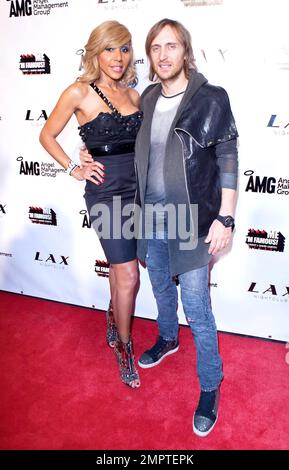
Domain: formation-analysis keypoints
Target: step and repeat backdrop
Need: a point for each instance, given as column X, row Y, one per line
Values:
column 47, row 246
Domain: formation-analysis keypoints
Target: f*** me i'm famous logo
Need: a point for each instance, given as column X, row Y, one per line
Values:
column 101, row 268
column 265, row 240
column 31, row 64
column 45, row 216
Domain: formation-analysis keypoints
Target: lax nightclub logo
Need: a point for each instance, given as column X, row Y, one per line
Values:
column 267, row 184
column 269, row 292
column 32, row 65
column 279, row 125
column 102, row 268
column 51, row 260
column 262, row 240
column 36, row 118
column 38, row 169
column 35, row 7
column 201, row 3
column 2, row 210
column 7, row 255
column 114, row 4
column 37, row 215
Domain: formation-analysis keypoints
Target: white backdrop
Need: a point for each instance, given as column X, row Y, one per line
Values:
column 241, row 45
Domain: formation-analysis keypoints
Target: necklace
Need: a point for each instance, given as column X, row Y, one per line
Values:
column 172, row 96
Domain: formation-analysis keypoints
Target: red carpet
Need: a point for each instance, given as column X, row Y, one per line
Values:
column 60, row 386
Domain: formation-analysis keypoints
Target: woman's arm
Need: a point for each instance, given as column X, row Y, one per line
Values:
column 98, row 170
column 67, row 104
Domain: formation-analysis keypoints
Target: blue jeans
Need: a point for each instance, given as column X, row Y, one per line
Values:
column 196, row 304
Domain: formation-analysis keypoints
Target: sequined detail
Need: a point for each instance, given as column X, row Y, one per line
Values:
column 126, row 361
column 111, row 124
column 206, row 414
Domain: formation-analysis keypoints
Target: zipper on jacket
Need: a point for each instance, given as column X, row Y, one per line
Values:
column 185, row 173
column 134, row 201
column 136, row 180
column 186, row 132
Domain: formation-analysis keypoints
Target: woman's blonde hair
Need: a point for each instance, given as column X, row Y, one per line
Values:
column 185, row 39
column 107, row 34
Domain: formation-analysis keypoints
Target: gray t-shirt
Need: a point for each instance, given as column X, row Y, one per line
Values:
column 164, row 113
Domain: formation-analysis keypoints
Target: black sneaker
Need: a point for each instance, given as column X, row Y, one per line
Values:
column 152, row 357
column 206, row 414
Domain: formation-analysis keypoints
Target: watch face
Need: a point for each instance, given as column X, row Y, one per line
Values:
column 229, row 221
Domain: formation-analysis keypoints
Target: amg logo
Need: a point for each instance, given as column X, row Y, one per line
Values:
column 28, row 168
column 20, row 8
column 261, row 185
column 267, row 184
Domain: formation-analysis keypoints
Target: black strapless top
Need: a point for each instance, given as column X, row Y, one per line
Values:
column 120, row 178
column 119, row 132
column 110, row 128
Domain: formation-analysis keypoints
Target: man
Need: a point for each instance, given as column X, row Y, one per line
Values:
column 186, row 157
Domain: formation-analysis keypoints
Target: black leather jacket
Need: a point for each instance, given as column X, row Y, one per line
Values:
column 206, row 121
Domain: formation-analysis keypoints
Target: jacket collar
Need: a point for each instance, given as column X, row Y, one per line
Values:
column 196, row 80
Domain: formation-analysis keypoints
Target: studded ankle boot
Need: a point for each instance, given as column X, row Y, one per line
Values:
column 126, row 361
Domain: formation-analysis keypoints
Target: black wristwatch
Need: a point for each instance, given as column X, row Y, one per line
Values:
column 227, row 221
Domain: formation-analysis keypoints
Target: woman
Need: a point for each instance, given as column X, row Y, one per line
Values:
column 108, row 114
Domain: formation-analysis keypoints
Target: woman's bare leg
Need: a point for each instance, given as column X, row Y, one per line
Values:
column 124, row 282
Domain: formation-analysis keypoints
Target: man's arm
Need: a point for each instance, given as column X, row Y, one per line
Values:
column 220, row 236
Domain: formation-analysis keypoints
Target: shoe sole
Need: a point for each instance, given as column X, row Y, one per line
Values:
column 205, row 433
column 148, row 366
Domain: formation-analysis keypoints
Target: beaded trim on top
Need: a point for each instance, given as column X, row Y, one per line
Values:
column 101, row 125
